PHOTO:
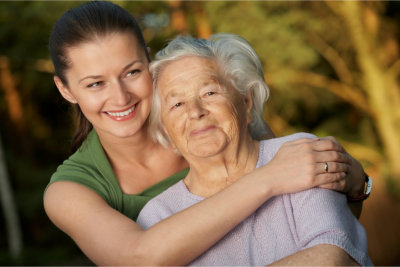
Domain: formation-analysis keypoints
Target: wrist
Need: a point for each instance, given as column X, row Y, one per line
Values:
column 357, row 190
column 358, row 186
column 366, row 190
column 264, row 182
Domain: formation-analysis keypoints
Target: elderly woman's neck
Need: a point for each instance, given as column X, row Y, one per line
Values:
column 208, row 176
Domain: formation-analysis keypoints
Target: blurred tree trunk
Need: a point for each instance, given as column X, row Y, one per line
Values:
column 13, row 228
column 375, row 88
column 178, row 16
column 14, row 105
column 203, row 28
column 383, row 94
column 11, row 94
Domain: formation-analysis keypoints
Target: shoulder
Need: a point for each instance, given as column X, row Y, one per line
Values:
column 321, row 208
column 311, row 200
column 322, row 216
column 169, row 202
column 89, row 167
column 288, row 138
column 65, row 201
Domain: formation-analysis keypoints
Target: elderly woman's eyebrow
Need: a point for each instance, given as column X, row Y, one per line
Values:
column 173, row 93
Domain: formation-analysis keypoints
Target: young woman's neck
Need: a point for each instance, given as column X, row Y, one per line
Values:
column 208, row 176
column 138, row 162
column 132, row 149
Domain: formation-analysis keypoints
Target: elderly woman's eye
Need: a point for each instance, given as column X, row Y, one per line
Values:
column 210, row 93
column 177, row 105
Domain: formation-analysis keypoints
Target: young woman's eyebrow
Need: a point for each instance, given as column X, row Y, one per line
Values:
column 131, row 64
column 90, row 77
column 123, row 69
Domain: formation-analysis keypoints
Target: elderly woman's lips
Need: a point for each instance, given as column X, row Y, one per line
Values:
column 201, row 131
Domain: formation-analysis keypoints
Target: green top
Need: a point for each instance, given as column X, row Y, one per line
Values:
column 90, row 167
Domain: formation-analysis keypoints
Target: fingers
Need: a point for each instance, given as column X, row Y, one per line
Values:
column 336, row 185
column 333, row 167
column 327, row 144
column 332, row 180
column 331, row 156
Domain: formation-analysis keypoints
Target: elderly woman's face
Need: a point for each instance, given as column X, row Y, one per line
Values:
column 201, row 113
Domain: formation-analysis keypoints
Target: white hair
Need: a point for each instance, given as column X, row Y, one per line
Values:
column 239, row 64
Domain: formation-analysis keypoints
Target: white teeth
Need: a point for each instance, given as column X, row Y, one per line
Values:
column 121, row 114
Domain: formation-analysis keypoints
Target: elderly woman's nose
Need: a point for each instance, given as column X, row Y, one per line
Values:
column 196, row 109
column 120, row 94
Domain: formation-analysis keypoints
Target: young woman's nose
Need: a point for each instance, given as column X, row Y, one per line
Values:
column 120, row 94
column 196, row 109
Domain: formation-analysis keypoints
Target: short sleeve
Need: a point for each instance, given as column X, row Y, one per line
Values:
column 321, row 216
column 72, row 172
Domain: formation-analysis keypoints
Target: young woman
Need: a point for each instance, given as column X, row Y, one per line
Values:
column 101, row 67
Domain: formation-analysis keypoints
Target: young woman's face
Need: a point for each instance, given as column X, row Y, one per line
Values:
column 110, row 81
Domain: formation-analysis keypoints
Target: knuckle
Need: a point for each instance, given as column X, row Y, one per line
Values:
column 335, row 156
column 338, row 176
column 306, row 147
column 331, row 144
column 332, row 138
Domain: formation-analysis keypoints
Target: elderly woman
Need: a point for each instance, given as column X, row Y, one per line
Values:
column 208, row 104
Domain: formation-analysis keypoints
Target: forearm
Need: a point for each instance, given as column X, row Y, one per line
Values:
column 109, row 238
column 197, row 228
column 320, row 255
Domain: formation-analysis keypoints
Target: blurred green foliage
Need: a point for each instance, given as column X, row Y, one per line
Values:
column 292, row 39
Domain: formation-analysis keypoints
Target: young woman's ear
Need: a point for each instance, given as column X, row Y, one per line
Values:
column 249, row 105
column 149, row 52
column 64, row 91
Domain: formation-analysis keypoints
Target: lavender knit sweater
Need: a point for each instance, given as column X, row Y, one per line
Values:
column 282, row 226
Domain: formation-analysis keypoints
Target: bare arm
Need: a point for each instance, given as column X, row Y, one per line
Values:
column 109, row 238
column 320, row 255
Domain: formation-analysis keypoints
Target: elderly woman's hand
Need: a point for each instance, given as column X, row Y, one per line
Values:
column 301, row 165
column 353, row 182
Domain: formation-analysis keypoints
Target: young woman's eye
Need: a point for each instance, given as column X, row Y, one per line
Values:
column 132, row 72
column 95, row 85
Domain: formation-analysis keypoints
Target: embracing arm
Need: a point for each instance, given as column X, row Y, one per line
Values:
column 109, row 238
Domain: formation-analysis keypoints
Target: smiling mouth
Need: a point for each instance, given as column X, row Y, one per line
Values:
column 201, row 131
column 122, row 113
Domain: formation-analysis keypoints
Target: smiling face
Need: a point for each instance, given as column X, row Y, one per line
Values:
column 202, row 114
column 110, row 81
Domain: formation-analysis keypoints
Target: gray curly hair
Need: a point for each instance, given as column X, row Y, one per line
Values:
column 240, row 66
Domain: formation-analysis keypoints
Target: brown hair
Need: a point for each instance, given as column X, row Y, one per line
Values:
column 83, row 24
